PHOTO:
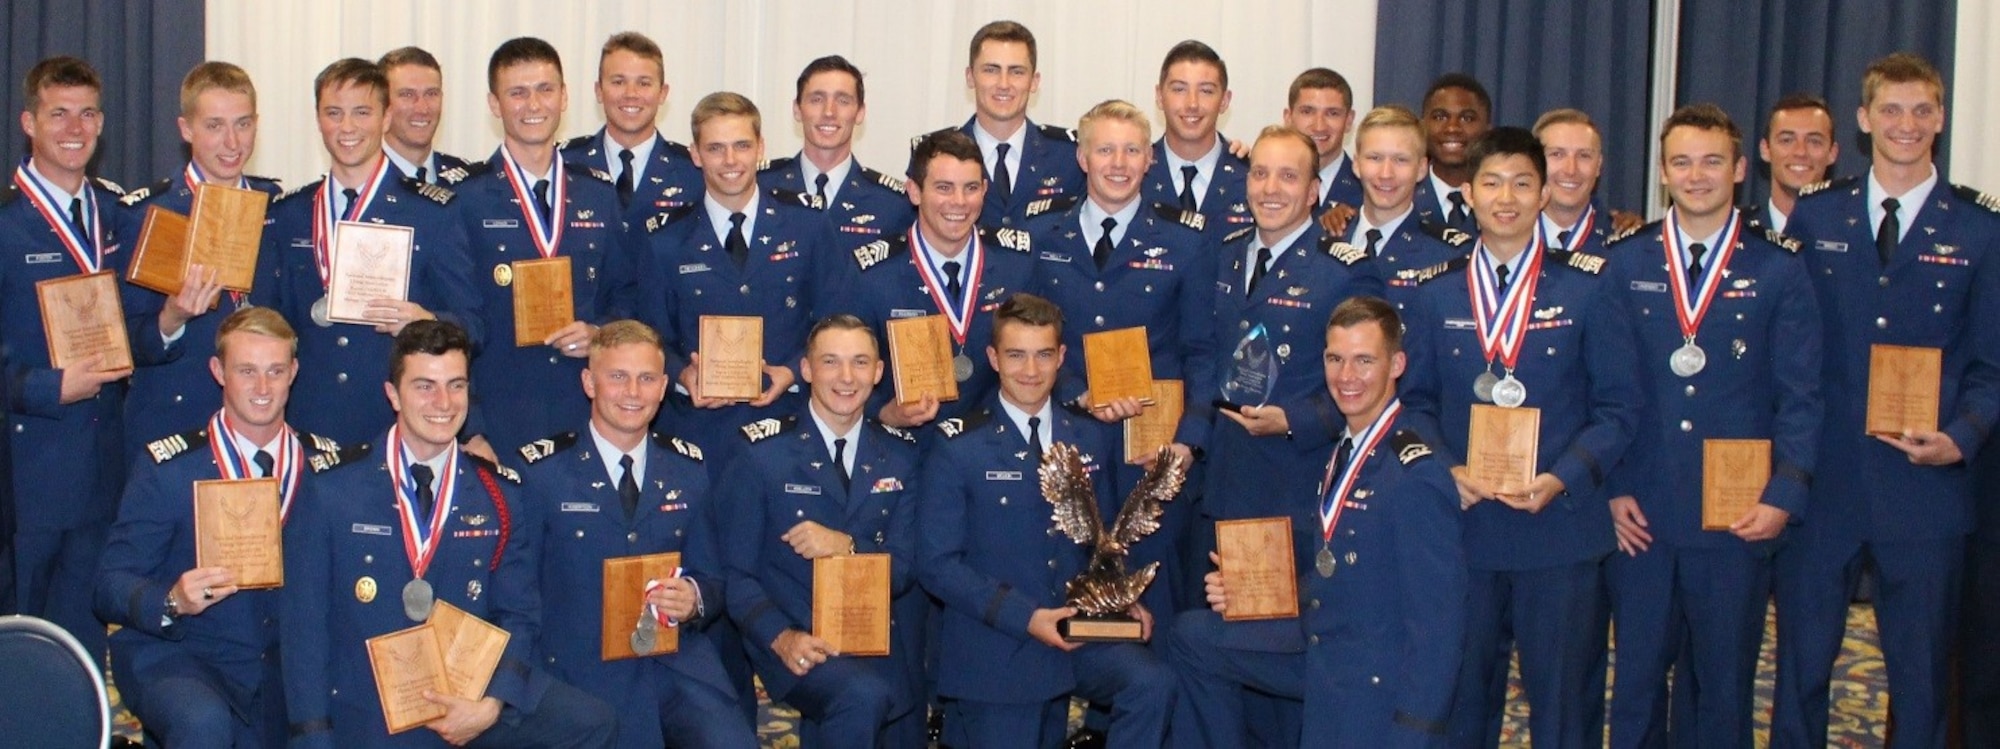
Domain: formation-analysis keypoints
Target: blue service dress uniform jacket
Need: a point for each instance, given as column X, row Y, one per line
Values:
column 1047, row 169
column 1224, row 208
column 868, row 206
column 668, row 180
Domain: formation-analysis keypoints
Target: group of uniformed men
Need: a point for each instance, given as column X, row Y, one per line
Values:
column 1446, row 263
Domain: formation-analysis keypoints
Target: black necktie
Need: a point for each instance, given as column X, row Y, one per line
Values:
column 1342, row 455
column 421, row 173
column 1500, row 282
column 1003, row 182
column 1257, row 271
column 1374, row 241
column 1890, row 231
column 628, row 487
column 347, row 211
column 739, row 250
column 952, row 289
column 840, row 462
column 420, row 475
column 265, row 463
column 542, row 198
column 625, row 176
column 1188, row 203
column 1458, row 210
column 819, row 188
column 76, row 215
column 1562, row 238
column 1695, row 251
column 1102, row 252
column 1035, row 438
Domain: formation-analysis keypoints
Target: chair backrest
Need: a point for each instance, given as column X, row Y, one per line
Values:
column 51, row 691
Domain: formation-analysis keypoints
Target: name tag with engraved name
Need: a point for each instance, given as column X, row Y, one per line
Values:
column 1003, row 475
column 1460, row 323
column 373, row 530
column 579, row 507
column 1653, row 286
column 1830, row 245
column 499, row 223
column 801, row 489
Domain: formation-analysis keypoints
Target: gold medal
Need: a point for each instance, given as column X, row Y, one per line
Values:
column 503, row 274
column 364, row 590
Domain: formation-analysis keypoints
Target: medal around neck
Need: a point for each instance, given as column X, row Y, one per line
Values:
column 1104, row 591
column 1482, row 386
column 1688, row 360
column 1509, row 392
column 1253, row 370
column 418, row 598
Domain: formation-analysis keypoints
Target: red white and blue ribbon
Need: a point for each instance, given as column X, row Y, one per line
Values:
column 1334, row 490
column 546, row 230
column 420, row 540
column 960, row 316
column 84, row 243
column 291, row 460
column 324, row 220
column 1690, row 309
column 1502, row 322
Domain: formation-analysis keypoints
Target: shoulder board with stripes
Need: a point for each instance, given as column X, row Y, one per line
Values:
column 173, row 446
column 534, row 452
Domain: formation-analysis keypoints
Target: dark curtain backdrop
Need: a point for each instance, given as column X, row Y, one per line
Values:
column 141, row 48
column 1744, row 56
column 1532, row 56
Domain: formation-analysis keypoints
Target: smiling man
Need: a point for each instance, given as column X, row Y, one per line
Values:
column 1022, row 161
column 1192, row 168
column 1457, row 111
column 651, row 173
column 830, row 101
column 1799, row 146
column 1320, row 103
column 416, row 108
column 1389, row 161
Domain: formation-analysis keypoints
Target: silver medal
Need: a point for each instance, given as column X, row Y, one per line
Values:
column 1509, row 392
column 961, row 367
column 1323, row 562
column 320, row 315
column 1688, row 360
column 646, row 636
column 1482, row 386
column 418, row 599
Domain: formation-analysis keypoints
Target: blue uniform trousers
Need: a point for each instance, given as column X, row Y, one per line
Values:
column 1549, row 612
column 1712, row 600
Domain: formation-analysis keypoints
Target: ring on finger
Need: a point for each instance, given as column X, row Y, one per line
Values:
column 802, row 661
column 207, row 594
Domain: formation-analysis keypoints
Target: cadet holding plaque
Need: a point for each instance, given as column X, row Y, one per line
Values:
column 731, row 359
column 1724, row 458
column 1380, row 584
column 1520, row 325
column 921, row 350
column 370, row 263
column 83, row 322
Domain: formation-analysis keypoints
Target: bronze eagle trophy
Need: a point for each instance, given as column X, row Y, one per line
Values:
column 1104, row 591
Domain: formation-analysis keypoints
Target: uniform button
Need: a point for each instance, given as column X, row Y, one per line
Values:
column 340, row 377
column 1690, row 391
column 1687, row 426
column 579, row 533
column 799, row 513
column 1243, row 325
column 632, row 538
column 677, row 532
column 552, row 360
column 1374, row 679
column 1052, row 531
column 177, row 399
column 1099, row 320
column 745, row 288
column 340, row 341
column 885, row 511
column 1003, row 500
column 1313, row 640
column 1552, row 351
column 1100, row 285
column 368, row 559
column 1882, row 281
column 1052, row 564
column 477, row 562
column 1881, row 322
column 1315, row 604
column 879, row 538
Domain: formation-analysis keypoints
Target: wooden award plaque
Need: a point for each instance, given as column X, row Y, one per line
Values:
column 1118, row 364
column 624, row 598
column 407, row 663
column 160, row 257
column 544, row 300
column 1155, row 426
column 368, row 262
column 1258, row 569
column 920, row 359
column 471, row 648
column 732, row 357
column 1500, row 451
column 82, row 317
column 236, row 525
column 850, row 604
column 1903, row 385
column 227, row 227
column 1733, row 475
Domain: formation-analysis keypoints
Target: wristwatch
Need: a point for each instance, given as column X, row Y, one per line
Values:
column 172, row 610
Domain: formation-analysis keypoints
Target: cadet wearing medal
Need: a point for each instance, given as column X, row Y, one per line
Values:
column 862, row 204
column 195, row 654
column 1729, row 348
column 990, row 555
column 650, row 173
column 1389, row 158
column 173, row 336
column 1519, row 325
column 1192, row 168
column 528, row 203
column 416, row 107
column 828, row 482
column 1384, row 602
column 455, row 530
column 67, row 444
column 341, row 361
column 1023, row 161
column 613, row 490
column 944, row 265
column 1320, row 103
column 1899, row 257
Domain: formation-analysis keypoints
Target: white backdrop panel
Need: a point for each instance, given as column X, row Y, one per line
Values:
column 1975, row 102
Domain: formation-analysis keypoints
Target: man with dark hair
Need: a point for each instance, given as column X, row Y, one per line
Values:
column 988, row 554
column 1022, row 161
column 1899, row 258
column 615, row 488
column 830, row 102
column 416, row 108
column 1192, row 167
column 334, row 397
column 1799, row 145
column 527, row 202
column 453, row 530
column 1457, row 111
column 652, row 174
column 1320, row 103
column 947, row 264
column 196, row 655
column 1520, row 324
column 1682, row 575
column 827, row 481
column 1382, row 654
column 67, row 445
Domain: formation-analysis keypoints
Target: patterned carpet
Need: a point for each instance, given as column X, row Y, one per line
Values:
column 1860, row 701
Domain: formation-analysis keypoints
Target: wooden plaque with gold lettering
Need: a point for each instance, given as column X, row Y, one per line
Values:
column 732, row 357
column 1733, row 475
column 407, row 663
column 160, row 257
column 851, row 603
column 1903, row 385
column 236, row 525
column 1118, row 364
column 82, row 317
column 920, row 359
column 227, row 228
column 1500, row 452
column 1258, row 568
column 470, row 646
column 1155, row 426
column 544, row 300
column 624, row 600
column 367, row 262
